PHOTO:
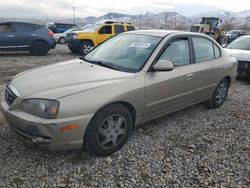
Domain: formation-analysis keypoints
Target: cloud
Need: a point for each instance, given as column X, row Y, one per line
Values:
column 83, row 8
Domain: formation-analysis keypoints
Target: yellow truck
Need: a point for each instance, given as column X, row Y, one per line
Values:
column 83, row 41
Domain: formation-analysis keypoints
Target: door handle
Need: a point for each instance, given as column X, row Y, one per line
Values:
column 189, row 76
column 9, row 36
column 220, row 67
column 33, row 34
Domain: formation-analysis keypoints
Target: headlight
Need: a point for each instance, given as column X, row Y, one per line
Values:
column 74, row 36
column 43, row 108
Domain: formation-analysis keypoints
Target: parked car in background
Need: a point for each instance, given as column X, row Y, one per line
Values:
column 234, row 34
column 82, row 42
column 60, row 27
column 132, row 78
column 240, row 49
column 26, row 37
column 61, row 37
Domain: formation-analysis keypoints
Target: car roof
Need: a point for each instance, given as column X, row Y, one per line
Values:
column 9, row 22
column 162, row 33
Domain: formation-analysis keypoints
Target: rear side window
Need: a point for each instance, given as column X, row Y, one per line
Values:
column 130, row 28
column 216, row 52
column 203, row 48
column 107, row 29
column 177, row 52
column 24, row 27
column 118, row 29
column 5, row 28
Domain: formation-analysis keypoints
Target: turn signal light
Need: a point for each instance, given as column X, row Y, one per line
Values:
column 69, row 127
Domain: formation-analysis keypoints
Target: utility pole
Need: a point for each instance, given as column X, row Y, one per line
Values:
column 74, row 17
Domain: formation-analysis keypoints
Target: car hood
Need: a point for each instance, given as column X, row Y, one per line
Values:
column 66, row 78
column 242, row 55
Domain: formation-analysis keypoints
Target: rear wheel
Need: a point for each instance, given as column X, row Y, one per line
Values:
column 40, row 48
column 86, row 47
column 62, row 40
column 109, row 130
column 219, row 95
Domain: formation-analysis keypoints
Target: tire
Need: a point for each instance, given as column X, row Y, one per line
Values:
column 74, row 50
column 61, row 40
column 85, row 47
column 223, row 40
column 108, row 130
column 40, row 48
column 219, row 95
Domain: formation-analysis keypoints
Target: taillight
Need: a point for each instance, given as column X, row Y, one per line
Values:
column 50, row 33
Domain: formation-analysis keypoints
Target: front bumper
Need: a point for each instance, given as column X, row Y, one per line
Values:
column 73, row 43
column 47, row 133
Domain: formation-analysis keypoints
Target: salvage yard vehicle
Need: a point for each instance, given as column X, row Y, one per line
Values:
column 20, row 36
column 82, row 42
column 240, row 49
column 61, row 27
column 131, row 78
column 61, row 37
column 209, row 26
column 234, row 34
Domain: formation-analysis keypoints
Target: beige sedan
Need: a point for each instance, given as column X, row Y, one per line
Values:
column 130, row 79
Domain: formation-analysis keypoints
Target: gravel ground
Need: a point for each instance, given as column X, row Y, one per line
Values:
column 195, row 147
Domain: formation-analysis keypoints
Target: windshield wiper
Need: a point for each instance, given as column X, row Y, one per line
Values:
column 99, row 63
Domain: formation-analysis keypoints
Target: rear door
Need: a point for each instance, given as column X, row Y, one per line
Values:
column 118, row 29
column 25, row 34
column 7, row 36
column 208, row 66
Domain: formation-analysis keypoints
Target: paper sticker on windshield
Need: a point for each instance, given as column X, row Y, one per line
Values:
column 140, row 45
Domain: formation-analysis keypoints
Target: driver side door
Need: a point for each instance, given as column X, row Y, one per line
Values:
column 104, row 33
column 168, row 91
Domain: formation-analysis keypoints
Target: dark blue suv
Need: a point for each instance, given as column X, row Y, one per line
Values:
column 26, row 37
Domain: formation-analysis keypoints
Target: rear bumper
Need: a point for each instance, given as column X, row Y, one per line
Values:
column 243, row 69
column 47, row 133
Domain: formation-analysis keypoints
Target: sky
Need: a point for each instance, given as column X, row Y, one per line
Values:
column 84, row 8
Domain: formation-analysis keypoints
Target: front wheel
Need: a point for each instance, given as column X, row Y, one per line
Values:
column 109, row 130
column 219, row 95
column 85, row 47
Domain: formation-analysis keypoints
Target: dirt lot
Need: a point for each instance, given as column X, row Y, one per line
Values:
column 195, row 147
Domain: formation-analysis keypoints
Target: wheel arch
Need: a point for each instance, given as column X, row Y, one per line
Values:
column 38, row 40
column 228, row 78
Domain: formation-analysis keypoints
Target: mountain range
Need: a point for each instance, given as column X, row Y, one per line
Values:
column 165, row 20
column 174, row 20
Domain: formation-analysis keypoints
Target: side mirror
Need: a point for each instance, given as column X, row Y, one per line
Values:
column 224, row 45
column 163, row 65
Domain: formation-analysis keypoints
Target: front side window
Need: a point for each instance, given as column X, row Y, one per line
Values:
column 118, row 29
column 127, row 53
column 203, row 48
column 107, row 29
column 177, row 52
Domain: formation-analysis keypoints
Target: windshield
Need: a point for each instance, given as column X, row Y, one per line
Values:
column 242, row 43
column 126, row 53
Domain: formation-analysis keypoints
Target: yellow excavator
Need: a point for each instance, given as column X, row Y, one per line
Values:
column 209, row 26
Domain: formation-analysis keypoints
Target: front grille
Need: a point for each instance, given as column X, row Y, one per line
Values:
column 9, row 96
